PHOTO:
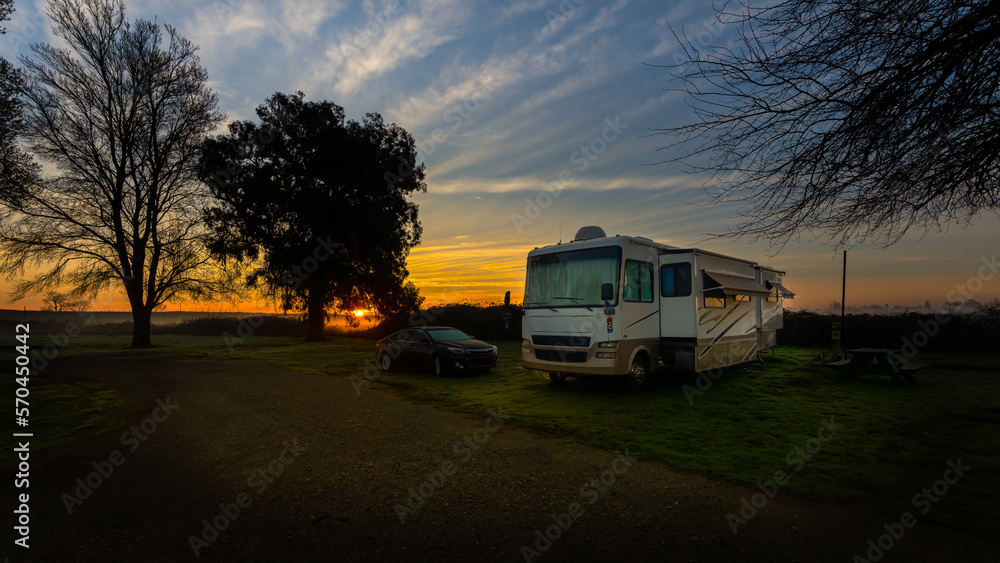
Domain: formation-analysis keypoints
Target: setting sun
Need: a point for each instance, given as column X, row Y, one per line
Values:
column 360, row 312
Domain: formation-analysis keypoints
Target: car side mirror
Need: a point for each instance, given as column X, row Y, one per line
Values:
column 607, row 292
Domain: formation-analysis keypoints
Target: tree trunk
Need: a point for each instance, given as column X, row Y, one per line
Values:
column 141, row 317
column 317, row 318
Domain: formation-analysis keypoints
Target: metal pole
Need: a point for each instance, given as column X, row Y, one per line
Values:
column 843, row 297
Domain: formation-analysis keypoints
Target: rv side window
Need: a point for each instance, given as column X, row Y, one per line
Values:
column 638, row 281
column 715, row 296
column 675, row 280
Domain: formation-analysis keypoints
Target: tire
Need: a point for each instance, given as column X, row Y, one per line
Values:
column 557, row 377
column 636, row 377
column 438, row 366
column 385, row 362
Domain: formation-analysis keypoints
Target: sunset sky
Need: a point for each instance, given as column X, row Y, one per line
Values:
column 503, row 98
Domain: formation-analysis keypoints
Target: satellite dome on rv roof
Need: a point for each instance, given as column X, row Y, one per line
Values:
column 586, row 233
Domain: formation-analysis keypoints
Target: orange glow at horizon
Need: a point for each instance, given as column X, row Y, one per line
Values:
column 481, row 274
column 457, row 269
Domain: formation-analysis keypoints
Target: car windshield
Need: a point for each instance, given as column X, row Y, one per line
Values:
column 446, row 334
column 572, row 278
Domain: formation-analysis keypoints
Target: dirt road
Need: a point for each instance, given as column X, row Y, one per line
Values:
column 249, row 462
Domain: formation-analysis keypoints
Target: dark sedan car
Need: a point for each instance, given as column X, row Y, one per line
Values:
column 442, row 349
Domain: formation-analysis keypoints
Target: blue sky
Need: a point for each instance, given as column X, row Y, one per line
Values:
column 533, row 119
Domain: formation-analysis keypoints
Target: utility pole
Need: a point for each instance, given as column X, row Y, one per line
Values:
column 837, row 334
column 843, row 296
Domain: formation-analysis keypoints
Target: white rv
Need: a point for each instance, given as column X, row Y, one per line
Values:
column 617, row 306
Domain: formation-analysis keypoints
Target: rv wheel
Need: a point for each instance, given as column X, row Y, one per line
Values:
column 636, row 375
column 557, row 377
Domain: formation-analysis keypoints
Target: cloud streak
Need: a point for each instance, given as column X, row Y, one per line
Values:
column 392, row 36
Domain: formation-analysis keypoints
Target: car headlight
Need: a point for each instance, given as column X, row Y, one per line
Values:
column 457, row 350
column 608, row 344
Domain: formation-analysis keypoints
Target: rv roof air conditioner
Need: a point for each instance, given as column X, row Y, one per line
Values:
column 586, row 233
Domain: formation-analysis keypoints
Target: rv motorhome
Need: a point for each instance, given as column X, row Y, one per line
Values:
column 603, row 306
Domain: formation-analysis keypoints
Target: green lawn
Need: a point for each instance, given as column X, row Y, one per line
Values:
column 63, row 408
column 893, row 442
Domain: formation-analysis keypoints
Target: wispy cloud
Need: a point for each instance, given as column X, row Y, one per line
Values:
column 293, row 25
column 524, row 6
column 304, row 18
column 507, row 114
column 532, row 185
column 395, row 35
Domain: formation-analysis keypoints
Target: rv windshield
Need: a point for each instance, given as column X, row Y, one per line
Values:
column 572, row 278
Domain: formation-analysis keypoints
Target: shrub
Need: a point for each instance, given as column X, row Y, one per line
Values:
column 978, row 330
column 485, row 321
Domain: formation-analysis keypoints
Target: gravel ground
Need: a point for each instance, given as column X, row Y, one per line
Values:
column 250, row 462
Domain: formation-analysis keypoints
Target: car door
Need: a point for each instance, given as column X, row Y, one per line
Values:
column 402, row 341
column 421, row 348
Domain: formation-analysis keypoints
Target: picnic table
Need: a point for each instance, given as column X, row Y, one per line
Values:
column 876, row 361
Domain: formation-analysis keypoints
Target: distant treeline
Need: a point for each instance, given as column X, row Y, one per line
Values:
column 45, row 323
column 485, row 321
column 931, row 331
column 925, row 331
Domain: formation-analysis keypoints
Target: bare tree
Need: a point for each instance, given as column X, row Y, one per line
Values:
column 120, row 113
column 17, row 169
column 55, row 301
column 851, row 120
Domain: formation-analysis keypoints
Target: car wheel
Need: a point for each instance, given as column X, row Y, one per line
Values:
column 438, row 365
column 385, row 362
column 636, row 375
column 557, row 377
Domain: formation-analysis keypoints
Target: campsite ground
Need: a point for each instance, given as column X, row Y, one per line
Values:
column 260, row 462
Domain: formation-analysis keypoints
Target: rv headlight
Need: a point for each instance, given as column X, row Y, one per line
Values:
column 606, row 355
column 608, row 344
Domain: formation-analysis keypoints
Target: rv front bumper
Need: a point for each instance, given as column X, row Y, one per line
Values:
column 596, row 360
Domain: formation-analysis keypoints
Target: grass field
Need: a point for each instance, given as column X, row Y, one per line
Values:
column 63, row 408
column 892, row 441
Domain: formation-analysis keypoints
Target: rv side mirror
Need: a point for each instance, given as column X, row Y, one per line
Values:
column 607, row 292
column 506, row 298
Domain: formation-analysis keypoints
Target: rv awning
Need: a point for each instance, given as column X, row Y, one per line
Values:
column 782, row 290
column 732, row 284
